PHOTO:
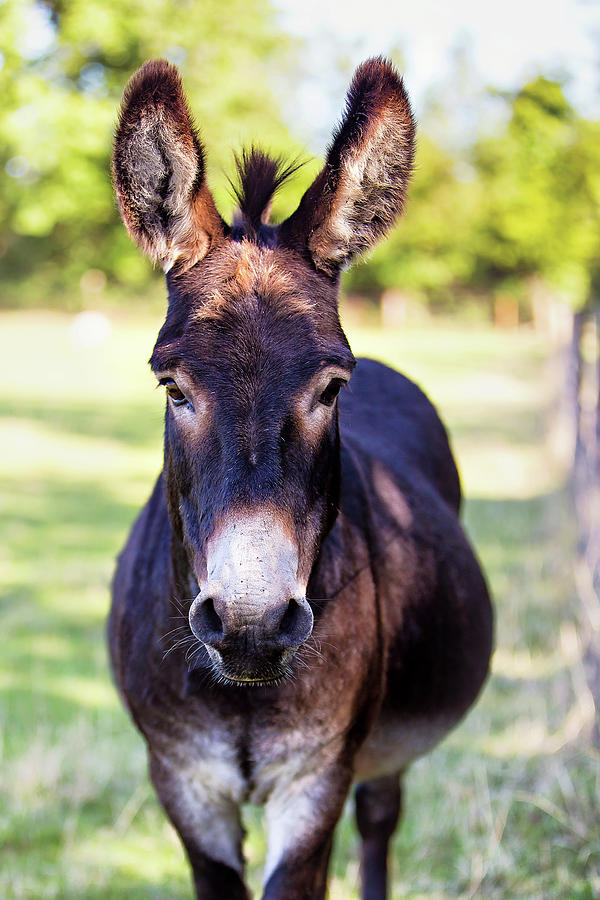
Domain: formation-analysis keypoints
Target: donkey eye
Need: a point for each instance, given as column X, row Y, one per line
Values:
column 177, row 396
column 328, row 396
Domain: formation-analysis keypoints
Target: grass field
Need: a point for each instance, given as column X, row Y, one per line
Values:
column 507, row 807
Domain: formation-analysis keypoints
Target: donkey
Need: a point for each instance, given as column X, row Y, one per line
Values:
column 334, row 623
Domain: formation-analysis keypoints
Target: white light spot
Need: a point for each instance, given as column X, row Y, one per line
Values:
column 89, row 329
column 17, row 167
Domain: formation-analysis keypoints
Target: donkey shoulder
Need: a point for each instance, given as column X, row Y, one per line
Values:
column 387, row 417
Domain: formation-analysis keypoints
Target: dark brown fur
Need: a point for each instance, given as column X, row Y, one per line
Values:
column 260, row 177
column 281, row 512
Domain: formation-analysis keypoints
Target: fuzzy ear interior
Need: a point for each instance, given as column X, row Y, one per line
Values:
column 360, row 191
column 158, row 171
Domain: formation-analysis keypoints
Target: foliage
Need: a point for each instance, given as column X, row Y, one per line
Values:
column 60, row 97
column 493, row 213
column 540, row 194
column 431, row 251
column 523, row 202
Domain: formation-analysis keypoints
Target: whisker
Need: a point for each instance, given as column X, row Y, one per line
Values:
column 175, row 630
column 302, row 663
column 180, row 643
column 178, row 604
column 193, row 649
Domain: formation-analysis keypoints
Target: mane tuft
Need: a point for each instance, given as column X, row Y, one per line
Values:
column 259, row 177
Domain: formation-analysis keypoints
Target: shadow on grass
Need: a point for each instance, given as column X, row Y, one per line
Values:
column 527, row 549
column 136, row 889
column 63, row 538
column 75, row 522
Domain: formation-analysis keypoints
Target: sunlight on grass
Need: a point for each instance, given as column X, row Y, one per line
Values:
column 85, row 691
column 524, row 664
column 531, row 737
column 492, row 408
column 506, row 807
column 522, row 471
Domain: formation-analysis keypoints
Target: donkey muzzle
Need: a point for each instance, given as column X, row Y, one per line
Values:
column 251, row 613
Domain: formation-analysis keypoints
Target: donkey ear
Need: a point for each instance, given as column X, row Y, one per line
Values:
column 360, row 192
column 158, row 171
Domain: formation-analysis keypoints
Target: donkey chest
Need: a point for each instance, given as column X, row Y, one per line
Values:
column 242, row 765
column 239, row 766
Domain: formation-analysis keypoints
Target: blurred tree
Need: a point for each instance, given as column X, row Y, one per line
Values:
column 520, row 206
column 488, row 214
column 540, row 191
column 63, row 67
column 430, row 253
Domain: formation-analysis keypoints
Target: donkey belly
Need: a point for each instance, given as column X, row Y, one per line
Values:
column 394, row 743
column 437, row 661
column 437, row 633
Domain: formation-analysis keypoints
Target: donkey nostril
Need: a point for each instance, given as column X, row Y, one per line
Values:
column 286, row 625
column 206, row 623
column 211, row 616
column 296, row 623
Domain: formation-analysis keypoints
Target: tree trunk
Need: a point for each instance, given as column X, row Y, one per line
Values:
column 584, row 394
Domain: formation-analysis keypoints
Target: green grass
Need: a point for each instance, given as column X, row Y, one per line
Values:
column 507, row 807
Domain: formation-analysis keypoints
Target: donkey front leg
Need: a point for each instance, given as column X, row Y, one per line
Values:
column 301, row 815
column 207, row 820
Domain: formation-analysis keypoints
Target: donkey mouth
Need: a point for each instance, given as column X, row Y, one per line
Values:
column 245, row 673
column 272, row 679
column 239, row 681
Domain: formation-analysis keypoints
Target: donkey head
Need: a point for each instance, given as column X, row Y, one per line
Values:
column 252, row 353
